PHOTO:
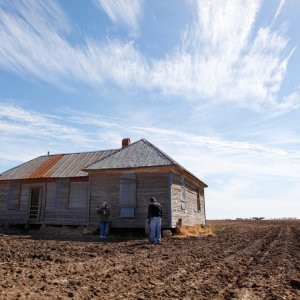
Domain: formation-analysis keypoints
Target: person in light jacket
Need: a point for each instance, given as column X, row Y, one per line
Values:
column 103, row 212
column 154, row 218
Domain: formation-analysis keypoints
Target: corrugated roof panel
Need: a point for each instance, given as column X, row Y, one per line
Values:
column 156, row 160
column 141, row 151
column 152, row 158
column 129, row 159
column 120, row 157
column 105, row 155
column 43, row 169
column 138, row 154
column 22, row 171
column 72, row 164
column 53, row 166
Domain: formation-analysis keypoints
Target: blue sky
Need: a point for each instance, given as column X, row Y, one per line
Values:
column 215, row 84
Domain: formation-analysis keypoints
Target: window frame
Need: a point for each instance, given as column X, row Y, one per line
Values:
column 128, row 183
column 58, row 193
column 14, row 197
column 198, row 200
column 182, row 193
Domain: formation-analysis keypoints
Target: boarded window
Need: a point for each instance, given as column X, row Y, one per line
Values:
column 62, row 193
column 127, row 195
column 3, row 193
column 198, row 201
column 127, row 212
column 182, row 194
column 14, row 192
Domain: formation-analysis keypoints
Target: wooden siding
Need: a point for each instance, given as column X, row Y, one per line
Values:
column 106, row 187
column 20, row 215
column 152, row 185
column 76, row 211
column 81, row 210
column 186, row 211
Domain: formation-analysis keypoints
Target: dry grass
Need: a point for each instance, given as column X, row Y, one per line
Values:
column 196, row 230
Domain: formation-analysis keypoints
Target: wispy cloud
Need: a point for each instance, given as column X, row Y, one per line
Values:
column 123, row 12
column 17, row 122
column 26, row 133
column 221, row 58
column 34, row 46
column 278, row 11
column 289, row 103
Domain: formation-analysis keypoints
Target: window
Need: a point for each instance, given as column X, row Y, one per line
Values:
column 198, row 201
column 182, row 194
column 127, row 195
column 62, row 193
column 14, row 192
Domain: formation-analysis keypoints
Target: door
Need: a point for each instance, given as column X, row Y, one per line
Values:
column 35, row 202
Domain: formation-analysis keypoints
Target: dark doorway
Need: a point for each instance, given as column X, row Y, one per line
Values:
column 34, row 209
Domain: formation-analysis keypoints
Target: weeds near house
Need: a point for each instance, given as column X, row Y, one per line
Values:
column 198, row 230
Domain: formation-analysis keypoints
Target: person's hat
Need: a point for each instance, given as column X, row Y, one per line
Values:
column 152, row 199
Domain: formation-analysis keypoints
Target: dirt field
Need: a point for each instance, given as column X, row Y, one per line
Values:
column 247, row 260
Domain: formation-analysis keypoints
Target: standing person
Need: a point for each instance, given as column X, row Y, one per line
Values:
column 154, row 218
column 103, row 212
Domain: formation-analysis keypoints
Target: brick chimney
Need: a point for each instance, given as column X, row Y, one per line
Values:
column 125, row 142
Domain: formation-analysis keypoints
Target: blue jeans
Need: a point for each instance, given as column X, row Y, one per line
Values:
column 103, row 228
column 155, row 227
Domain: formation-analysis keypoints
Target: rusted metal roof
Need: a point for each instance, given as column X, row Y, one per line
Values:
column 42, row 170
column 54, row 166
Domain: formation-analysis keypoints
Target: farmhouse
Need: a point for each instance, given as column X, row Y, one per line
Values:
column 64, row 189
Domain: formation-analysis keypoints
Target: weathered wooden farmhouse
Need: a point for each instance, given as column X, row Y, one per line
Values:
column 64, row 189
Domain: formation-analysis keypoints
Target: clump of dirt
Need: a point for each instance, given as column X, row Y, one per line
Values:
column 244, row 260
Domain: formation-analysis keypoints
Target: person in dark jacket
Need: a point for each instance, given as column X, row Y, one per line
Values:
column 154, row 218
column 103, row 212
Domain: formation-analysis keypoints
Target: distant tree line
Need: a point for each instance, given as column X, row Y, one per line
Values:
column 263, row 218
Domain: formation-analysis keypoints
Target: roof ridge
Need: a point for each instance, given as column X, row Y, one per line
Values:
column 83, row 152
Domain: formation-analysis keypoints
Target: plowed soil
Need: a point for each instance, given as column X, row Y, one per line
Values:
column 247, row 260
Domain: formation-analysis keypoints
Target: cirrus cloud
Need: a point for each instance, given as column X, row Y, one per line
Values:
column 222, row 56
